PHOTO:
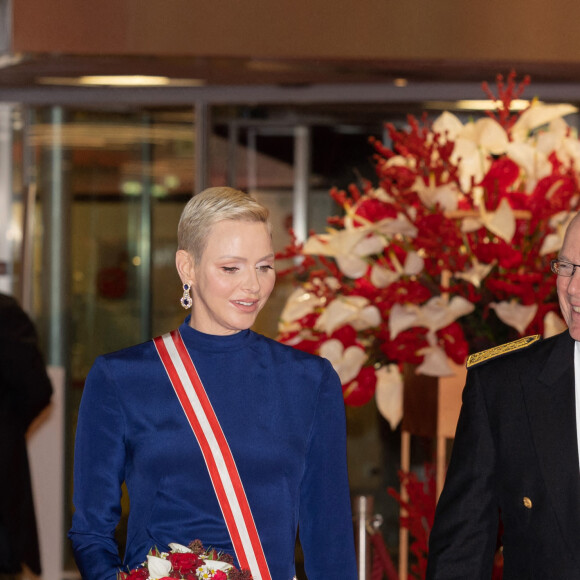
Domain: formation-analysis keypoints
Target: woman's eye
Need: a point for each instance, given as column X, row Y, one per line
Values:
column 265, row 268
column 229, row 269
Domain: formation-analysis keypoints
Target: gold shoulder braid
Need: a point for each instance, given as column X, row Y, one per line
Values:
column 490, row 353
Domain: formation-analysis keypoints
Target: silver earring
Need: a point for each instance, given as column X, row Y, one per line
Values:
column 186, row 301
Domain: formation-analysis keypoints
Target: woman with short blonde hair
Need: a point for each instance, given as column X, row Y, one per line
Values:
column 274, row 416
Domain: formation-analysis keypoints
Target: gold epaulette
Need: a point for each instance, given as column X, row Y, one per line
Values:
column 490, row 353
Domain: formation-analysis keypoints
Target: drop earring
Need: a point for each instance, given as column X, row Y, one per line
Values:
column 186, row 298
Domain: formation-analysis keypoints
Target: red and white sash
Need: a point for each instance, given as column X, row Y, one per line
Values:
column 216, row 453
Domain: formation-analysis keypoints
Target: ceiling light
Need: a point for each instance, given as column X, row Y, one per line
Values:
column 489, row 105
column 121, row 81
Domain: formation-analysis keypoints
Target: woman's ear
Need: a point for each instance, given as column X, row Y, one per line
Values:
column 185, row 266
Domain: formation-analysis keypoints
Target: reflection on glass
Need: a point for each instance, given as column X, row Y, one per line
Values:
column 123, row 180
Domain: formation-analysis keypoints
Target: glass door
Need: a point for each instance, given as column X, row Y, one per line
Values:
column 109, row 187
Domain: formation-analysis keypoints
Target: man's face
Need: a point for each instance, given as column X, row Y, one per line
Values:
column 569, row 287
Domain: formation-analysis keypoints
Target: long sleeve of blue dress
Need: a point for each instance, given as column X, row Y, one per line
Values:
column 98, row 475
column 324, row 499
column 282, row 413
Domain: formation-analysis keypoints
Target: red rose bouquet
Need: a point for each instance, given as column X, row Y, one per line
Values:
column 192, row 562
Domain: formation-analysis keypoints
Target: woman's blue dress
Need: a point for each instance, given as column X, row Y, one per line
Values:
column 283, row 415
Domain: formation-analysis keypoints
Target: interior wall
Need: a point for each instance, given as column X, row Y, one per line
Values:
column 518, row 30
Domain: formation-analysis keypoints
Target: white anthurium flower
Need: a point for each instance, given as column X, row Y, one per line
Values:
column 348, row 247
column 331, row 282
column 353, row 310
column 557, row 140
column 414, row 264
column 389, row 394
column 399, row 225
column 380, row 194
column 537, row 115
column 473, row 145
column 440, row 312
column 401, row 317
column 299, row 304
column 501, row 222
column 401, row 161
column 436, row 313
column 352, row 266
column 553, row 242
column 179, row 548
column 570, row 152
column 369, row 245
column 553, row 325
column 449, row 125
column 382, row 277
column 534, row 163
column 346, row 362
column 471, row 224
column 369, row 317
column 435, row 361
column 514, row 314
column 339, row 242
column 446, row 195
column 475, row 274
column 487, row 134
column 158, row 567
column 472, row 163
column 553, row 138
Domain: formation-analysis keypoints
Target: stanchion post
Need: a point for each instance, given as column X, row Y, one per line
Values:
column 363, row 512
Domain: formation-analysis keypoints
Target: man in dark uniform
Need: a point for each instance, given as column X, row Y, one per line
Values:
column 25, row 390
column 515, row 454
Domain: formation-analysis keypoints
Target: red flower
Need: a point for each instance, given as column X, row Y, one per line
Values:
column 185, row 562
column 406, row 345
column 374, row 210
column 220, row 575
column 498, row 251
column 138, row 574
column 346, row 334
column 454, row 342
column 501, row 175
column 361, row 389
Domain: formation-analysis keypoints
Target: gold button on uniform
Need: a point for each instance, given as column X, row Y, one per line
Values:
column 528, row 503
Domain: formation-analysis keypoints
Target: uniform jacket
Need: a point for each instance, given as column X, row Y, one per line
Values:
column 515, row 454
column 25, row 390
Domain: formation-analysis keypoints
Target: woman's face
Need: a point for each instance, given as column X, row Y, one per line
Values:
column 233, row 278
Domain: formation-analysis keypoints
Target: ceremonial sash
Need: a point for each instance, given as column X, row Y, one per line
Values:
column 216, row 453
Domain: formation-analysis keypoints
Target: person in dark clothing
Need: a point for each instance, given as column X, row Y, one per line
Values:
column 25, row 390
column 515, row 454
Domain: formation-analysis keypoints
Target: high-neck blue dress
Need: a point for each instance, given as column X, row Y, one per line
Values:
column 282, row 413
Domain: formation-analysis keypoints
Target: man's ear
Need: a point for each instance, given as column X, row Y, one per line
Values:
column 185, row 266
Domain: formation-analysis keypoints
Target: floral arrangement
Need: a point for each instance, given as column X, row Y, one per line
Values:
column 192, row 562
column 419, row 513
column 448, row 253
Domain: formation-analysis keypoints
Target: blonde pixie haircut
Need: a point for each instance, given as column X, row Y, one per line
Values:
column 210, row 206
